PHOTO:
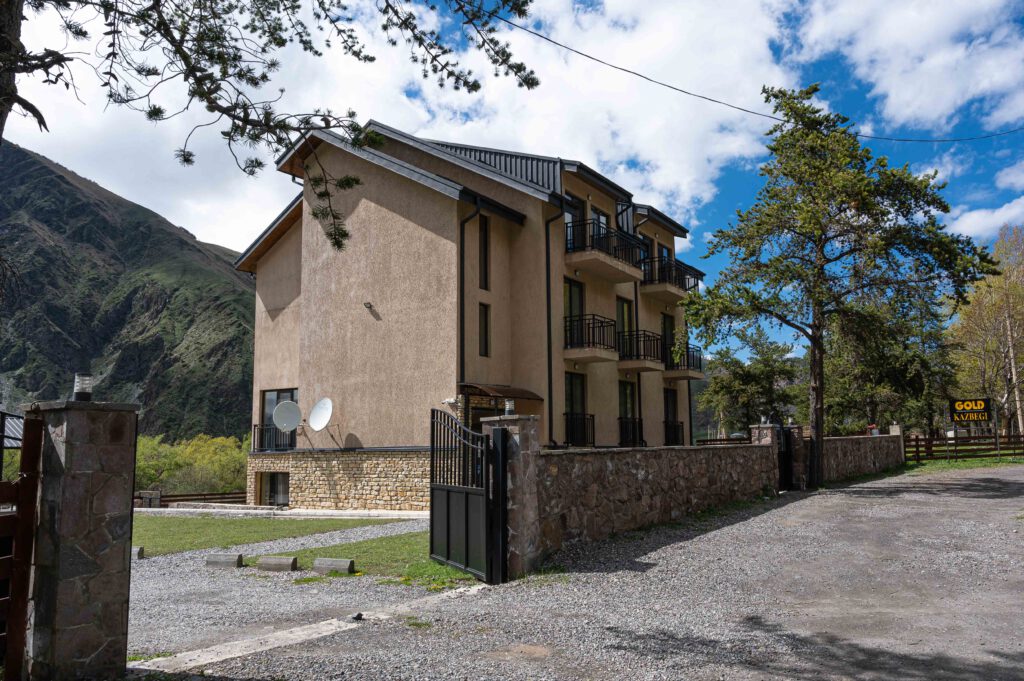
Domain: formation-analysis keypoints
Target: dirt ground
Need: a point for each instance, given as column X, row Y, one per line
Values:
column 908, row 577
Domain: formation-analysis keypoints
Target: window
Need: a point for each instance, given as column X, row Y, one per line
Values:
column 623, row 315
column 671, row 405
column 273, row 489
column 601, row 218
column 575, row 393
column 627, row 399
column 668, row 336
column 485, row 253
column 268, row 436
column 485, row 330
column 572, row 297
column 665, row 252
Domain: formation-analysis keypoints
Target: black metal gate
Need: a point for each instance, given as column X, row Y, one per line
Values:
column 468, row 498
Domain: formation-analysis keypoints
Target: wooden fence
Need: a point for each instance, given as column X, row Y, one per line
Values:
column 921, row 448
column 213, row 498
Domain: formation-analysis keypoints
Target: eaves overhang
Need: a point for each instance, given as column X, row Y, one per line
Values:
column 652, row 213
column 246, row 262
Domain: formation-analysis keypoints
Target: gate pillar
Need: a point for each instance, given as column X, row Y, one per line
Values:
column 78, row 618
column 523, row 515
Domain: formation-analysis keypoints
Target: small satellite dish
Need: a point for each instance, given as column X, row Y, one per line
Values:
column 287, row 416
column 321, row 414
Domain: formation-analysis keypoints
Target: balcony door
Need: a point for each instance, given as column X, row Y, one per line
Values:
column 668, row 337
column 575, row 393
column 627, row 400
column 624, row 315
column 671, row 405
column 269, row 436
column 573, row 306
column 575, row 230
column 665, row 253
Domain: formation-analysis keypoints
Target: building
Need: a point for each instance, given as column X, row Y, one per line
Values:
column 471, row 277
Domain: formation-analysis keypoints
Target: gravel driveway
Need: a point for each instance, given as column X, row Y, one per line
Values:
column 911, row 577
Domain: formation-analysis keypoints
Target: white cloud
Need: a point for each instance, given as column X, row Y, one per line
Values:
column 926, row 59
column 667, row 148
column 950, row 164
column 984, row 223
column 1012, row 177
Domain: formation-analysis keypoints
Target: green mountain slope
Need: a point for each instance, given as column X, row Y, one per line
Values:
column 161, row 318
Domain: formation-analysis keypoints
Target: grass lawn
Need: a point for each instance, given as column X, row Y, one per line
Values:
column 953, row 464
column 172, row 534
column 403, row 559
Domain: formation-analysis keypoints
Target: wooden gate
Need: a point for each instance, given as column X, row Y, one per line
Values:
column 17, row 532
column 468, row 498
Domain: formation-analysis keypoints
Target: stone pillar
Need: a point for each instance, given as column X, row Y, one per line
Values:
column 764, row 434
column 896, row 429
column 78, row 617
column 524, row 552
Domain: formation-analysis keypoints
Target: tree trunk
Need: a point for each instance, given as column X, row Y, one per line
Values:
column 817, row 410
column 1013, row 372
column 11, row 12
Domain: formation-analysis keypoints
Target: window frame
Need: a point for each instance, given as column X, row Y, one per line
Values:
column 484, row 237
column 485, row 329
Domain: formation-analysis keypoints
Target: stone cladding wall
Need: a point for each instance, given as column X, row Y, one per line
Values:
column 849, row 457
column 358, row 479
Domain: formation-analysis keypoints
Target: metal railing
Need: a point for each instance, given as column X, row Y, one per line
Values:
column 640, row 345
column 692, row 359
column 673, row 434
column 631, row 432
column 579, row 430
column 668, row 270
column 267, row 438
column 589, row 331
column 587, row 235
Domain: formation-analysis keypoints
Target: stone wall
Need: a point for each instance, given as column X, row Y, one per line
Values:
column 562, row 496
column 358, row 479
column 849, row 457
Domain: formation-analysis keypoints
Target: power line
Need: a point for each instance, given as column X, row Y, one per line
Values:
column 939, row 140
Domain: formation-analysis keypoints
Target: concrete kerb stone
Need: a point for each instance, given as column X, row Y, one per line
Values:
column 138, row 552
column 327, row 565
column 277, row 563
column 224, row 560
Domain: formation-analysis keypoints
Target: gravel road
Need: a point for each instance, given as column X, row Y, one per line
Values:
column 910, row 577
column 177, row 603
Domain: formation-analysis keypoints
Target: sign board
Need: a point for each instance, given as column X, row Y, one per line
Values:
column 970, row 411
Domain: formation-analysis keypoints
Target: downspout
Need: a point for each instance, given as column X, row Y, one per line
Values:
column 639, row 374
column 547, row 280
column 462, row 292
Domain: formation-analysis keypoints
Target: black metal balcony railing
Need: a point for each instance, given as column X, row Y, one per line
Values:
column 589, row 331
column 691, row 359
column 667, row 270
column 587, row 235
column 631, row 432
column 673, row 433
column 640, row 345
column 267, row 438
column 579, row 430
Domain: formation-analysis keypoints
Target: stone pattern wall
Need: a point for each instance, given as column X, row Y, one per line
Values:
column 848, row 457
column 378, row 480
column 78, row 624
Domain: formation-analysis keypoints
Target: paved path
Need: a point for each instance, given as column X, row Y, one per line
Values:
column 912, row 577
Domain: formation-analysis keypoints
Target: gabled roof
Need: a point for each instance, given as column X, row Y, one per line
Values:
column 246, row 262
column 652, row 213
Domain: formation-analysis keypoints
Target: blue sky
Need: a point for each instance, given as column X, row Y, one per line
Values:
column 910, row 68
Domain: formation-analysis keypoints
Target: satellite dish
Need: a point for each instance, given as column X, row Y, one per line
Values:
column 321, row 414
column 287, row 416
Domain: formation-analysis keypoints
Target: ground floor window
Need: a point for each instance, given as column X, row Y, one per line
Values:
column 273, row 489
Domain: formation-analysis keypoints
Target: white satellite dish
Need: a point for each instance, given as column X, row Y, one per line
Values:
column 287, row 416
column 321, row 414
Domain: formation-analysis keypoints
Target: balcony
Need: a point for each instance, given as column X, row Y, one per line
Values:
column 608, row 253
column 640, row 351
column 267, row 438
column 673, row 434
column 690, row 366
column 590, row 338
column 667, row 279
column 579, row 430
column 631, row 432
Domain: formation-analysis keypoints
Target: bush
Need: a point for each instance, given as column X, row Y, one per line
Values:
column 203, row 464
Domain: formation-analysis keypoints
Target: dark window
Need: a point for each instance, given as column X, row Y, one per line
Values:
column 671, row 405
column 601, row 218
column 665, row 252
column 485, row 253
column 274, row 490
column 572, row 295
column 627, row 399
column 485, row 330
column 623, row 314
column 668, row 335
column 272, row 398
column 648, row 249
column 575, row 393
column 267, row 437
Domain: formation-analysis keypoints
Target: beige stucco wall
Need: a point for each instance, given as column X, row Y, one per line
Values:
column 278, row 317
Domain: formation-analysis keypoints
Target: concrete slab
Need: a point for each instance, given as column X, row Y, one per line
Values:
column 224, row 560
column 325, row 565
column 277, row 563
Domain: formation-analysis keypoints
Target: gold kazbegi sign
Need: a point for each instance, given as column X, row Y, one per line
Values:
column 969, row 411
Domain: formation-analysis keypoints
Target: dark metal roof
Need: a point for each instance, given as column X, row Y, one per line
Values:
column 538, row 170
column 656, row 215
column 487, row 390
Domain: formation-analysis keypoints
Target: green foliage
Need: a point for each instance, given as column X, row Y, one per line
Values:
column 739, row 393
column 166, row 534
column 833, row 225
column 203, row 464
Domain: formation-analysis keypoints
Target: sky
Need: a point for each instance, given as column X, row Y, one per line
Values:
column 912, row 68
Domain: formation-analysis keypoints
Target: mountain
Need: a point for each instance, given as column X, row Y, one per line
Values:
column 159, row 317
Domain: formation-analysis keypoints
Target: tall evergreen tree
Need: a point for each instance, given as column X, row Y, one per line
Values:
column 832, row 224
